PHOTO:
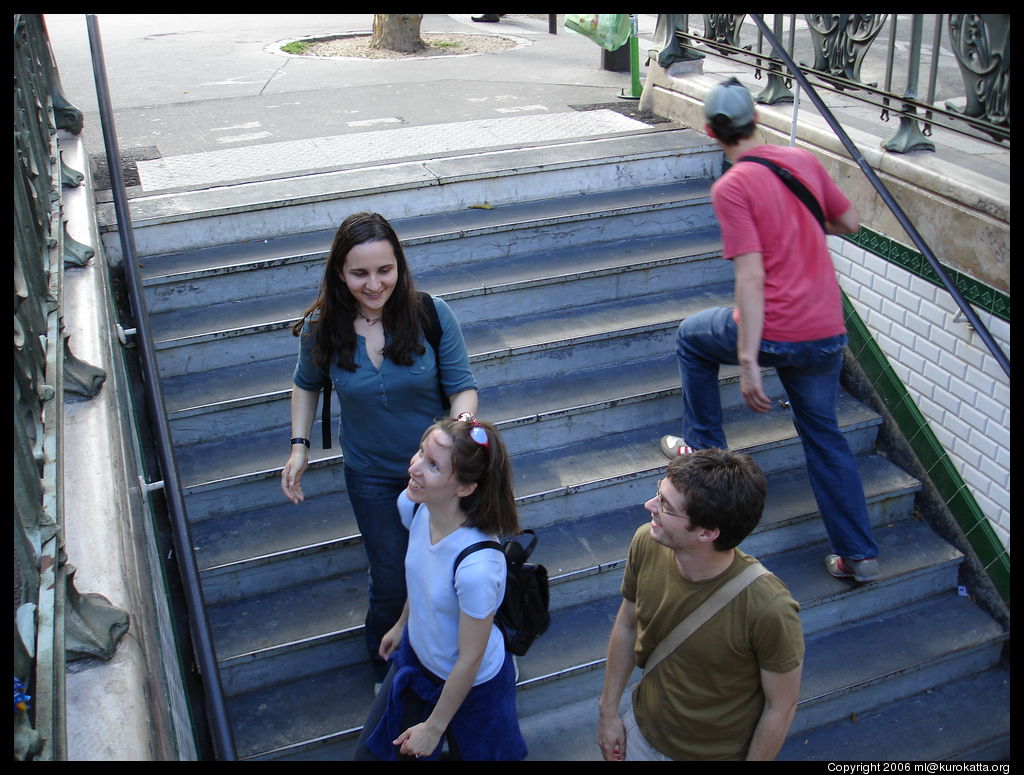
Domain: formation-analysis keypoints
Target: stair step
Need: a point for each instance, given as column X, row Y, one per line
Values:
column 267, row 550
column 928, row 644
column 585, row 560
column 303, row 714
column 846, row 672
column 569, row 284
column 929, row 726
column 916, row 564
column 926, row 727
column 600, row 327
column 170, row 222
column 893, row 656
column 196, row 393
column 469, row 241
column 604, row 472
column 254, row 329
column 584, row 463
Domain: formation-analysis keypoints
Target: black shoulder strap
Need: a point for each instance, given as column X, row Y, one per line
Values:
column 432, row 327
column 432, row 331
column 794, row 185
column 325, row 412
column 473, row 548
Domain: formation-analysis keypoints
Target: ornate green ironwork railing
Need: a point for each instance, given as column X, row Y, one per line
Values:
column 53, row 624
column 968, row 82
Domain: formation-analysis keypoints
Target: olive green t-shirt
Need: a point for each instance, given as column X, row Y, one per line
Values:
column 704, row 700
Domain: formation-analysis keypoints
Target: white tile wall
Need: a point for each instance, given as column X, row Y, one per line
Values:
column 947, row 370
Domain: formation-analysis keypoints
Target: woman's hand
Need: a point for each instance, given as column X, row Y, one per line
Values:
column 390, row 641
column 291, row 474
column 420, row 740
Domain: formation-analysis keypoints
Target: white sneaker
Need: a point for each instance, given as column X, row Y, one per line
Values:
column 858, row 570
column 673, row 447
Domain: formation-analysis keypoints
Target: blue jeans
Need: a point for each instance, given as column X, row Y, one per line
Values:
column 809, row 371
column 374, row 501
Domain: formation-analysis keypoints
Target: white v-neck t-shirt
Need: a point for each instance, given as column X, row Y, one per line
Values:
column 435, row 603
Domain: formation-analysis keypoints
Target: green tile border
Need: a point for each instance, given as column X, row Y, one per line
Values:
column 976, row 526
column 977, row 293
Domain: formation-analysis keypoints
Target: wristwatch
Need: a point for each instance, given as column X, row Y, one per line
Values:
column 465, row 417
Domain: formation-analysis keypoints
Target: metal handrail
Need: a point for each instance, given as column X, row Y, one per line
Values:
column 220, row 726
column 883, row 192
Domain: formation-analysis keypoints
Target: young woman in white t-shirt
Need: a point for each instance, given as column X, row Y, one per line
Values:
column 451, row 677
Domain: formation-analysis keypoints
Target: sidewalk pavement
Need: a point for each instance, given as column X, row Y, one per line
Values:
column 183, row 86
column 203, row 99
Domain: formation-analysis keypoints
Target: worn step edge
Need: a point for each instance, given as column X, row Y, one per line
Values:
column 906, row 730
column 579, row 566
column 217, row 261
column 163, row 208
column 933, row 556
column 850, row 420
column 909, row 665
column 176, row 387
column 171, row 328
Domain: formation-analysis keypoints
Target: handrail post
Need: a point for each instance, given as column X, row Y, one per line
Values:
column 200, row 627
column 909, row 136
column 883, row 192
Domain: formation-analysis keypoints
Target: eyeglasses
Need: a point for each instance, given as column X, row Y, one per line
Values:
column 662, row 506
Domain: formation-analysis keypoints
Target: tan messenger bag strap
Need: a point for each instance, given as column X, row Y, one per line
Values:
column 718, row 600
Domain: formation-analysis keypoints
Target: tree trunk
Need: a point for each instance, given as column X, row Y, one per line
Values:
column 397, row 32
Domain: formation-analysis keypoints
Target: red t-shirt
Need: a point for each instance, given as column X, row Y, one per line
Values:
column 759, row 214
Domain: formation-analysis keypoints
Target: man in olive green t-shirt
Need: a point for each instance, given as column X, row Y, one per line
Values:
column 730, row 690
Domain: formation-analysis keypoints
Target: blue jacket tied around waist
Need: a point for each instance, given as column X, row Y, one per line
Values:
column 485, row 728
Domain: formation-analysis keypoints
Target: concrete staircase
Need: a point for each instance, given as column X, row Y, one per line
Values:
column 569, row 266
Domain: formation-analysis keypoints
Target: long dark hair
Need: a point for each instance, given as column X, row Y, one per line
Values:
column 332, row 315
column 491, row 507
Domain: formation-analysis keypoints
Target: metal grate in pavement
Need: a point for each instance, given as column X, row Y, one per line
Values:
column 260, row 162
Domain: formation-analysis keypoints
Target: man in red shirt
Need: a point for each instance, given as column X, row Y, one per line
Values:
column 788, row 315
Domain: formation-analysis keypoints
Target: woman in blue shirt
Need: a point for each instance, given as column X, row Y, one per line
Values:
column 366, row 330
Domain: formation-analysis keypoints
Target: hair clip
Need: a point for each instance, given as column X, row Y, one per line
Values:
column 479, row 435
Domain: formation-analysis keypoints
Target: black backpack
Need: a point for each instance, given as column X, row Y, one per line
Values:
column 523, row 614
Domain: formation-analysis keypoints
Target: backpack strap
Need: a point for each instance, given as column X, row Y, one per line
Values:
column 432, row 332
column 325, row 411
column 474, row 548
column 794, row 185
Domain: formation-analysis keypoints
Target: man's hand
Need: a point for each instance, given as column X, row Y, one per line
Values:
column 752, row 387
column 611, row 738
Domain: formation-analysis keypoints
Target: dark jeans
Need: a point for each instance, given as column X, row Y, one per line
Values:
column 809, row 371
column 374, row 501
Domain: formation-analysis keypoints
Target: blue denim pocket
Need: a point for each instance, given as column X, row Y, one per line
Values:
column 832, row 345
column 777, row 348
